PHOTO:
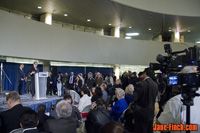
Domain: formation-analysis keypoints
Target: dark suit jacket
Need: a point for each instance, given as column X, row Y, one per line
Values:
column 20, row 74
column 49, row 79
column 90, row 82
column 145, row 95
column 67, row 125
column 10, row 118
column 33, row 69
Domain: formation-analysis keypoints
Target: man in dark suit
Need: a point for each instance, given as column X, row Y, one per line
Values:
column 49, row 83
column 64, row 123
column 90, row 81
column 144, row 98
column 71, row 81
column 10, row 118
column 20, row 78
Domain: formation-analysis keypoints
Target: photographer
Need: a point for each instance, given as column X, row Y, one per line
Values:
column 144, row 97
column 174, row 110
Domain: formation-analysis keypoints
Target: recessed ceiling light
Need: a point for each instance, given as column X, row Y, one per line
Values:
column 88, row 20
column 39, row 7
column 132, row 34
column 198, row 42
column 130, row 27
column 127, row 37
column 189, row 30
column 118, row 27
column 65, row 14
column 149, row 28
column 109, row 24
column 170, row 30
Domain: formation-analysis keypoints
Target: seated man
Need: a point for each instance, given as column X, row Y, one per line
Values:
column 64, row 123
column 75, row 96
column 10, row 118
column 85, row 100
column 174, row 110
column 29, row 121
column 97, row 117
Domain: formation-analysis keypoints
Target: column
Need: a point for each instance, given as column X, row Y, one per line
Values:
column 175, row 36
column 115, row 32
column 46, row 18
column 116, row 70
column 182, row 40
column 46, row 66
column 158, row 38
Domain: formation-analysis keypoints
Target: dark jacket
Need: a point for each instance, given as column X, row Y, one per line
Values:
column 49, row 79
column 96, row 119
column 20, row 74
column 63, row 125
column 10, row 118
column 90, row 82
column 145, row 95
column 133, row 81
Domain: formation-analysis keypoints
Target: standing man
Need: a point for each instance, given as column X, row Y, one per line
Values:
column 90, row 81
column 65, row 82
column 32, row 71
column 144, row 97
column 114, row 77
column 71, row 81
column 20, row 78
column 49, row 83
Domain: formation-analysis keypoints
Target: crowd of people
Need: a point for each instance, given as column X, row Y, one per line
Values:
column 100, row 105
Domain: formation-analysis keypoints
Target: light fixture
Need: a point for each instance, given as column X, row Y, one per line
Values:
column 149, row 28
column 198, row 42
column 65, row 14
column 109, row 24
column 130, row 27
column 88, row 20
column 170, row 30
column 39, row 7
column 189, row 30
column 118, row 27
column 132, row 34
column 127, row 37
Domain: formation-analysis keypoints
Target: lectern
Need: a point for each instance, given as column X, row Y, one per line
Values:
column 40, row 85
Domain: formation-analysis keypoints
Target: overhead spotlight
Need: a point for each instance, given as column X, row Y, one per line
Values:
column 88, row 20
column 198, row 42
column 109, row 24
column 127, row 37
column 170, row 30
column 130, row 27
column 132, row 34
column 65, row 14
column 189, row 30
column 149, row 28
column 39, row 7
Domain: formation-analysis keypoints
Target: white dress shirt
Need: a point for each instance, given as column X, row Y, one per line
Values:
column 84, row 102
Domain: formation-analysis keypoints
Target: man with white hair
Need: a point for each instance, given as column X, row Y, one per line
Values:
column 174, row 110
column 64, row 123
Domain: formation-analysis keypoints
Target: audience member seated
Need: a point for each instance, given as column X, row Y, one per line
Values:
column 53, row 113
column 85, row 100
column 10, row 118
column 97, row 117
column 65, row 123
column 105, row 94
column 29, row 121
column 42, row 116
column 119, row 106
column 128, row 118
column 75, row 112
column 118, row 84
column 75, row 96
column 112, row 127
column 98, row 94
column 129, row 93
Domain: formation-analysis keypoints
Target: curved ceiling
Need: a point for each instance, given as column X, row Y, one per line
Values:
column 105, row 12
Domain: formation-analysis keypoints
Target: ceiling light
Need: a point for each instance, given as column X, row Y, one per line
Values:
column 130, row 27
column 39, row 7
column 132, row 34
column 88, row 20
column 149, row 28
column 109, row 24
column 127, row 37
column 118, row 27
column 65, row 14
column 170, row 30
column 189, row 30
column 198, row 42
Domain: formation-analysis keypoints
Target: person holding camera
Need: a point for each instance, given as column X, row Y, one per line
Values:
column 144, row 97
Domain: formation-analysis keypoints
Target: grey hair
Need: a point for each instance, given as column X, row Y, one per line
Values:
column 120, row 93
column 129, row 89
column 63, row 109
column 13, row 96
column 189, row 69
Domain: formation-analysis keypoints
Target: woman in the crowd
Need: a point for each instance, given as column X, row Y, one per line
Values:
column 28, row 83
column 119, row 106
column 78, row 84
column 98, row 94
column 129, row 93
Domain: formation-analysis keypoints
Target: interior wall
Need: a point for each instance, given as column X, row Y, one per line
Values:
column 21, row 37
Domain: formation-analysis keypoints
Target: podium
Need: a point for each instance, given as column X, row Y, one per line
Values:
column 40, row 85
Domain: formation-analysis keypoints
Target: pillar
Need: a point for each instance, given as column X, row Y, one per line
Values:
column 182, row 40
column 115, row 32
column 46, row 66
column 46, row 18
column 176, row 36
column 158, row 38
column 116, row 70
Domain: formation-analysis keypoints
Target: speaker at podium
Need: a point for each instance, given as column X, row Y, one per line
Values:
column 41, row 85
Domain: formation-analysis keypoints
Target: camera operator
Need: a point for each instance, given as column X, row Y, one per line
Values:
column 174, row 110
column 144, row 98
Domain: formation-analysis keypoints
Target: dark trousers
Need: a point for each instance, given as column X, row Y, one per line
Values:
column 71, row 86
column 142, row 126
column 49, row 89
column 20, row 86
column 33, row 85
